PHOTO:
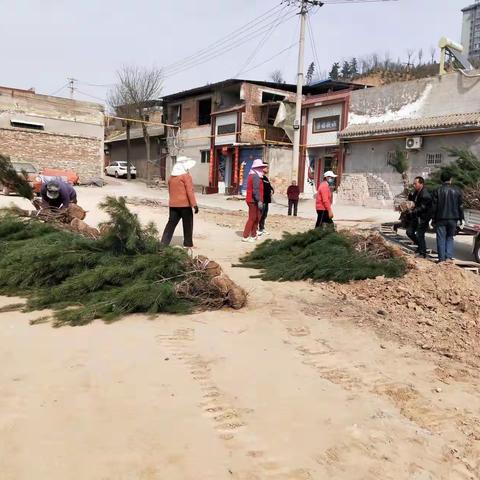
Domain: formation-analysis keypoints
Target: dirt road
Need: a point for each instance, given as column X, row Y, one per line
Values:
column 286, row 389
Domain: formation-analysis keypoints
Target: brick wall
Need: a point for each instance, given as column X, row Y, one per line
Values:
column 82, row 154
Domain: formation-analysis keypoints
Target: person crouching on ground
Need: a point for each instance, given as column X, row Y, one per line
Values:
column 57, row 194
column 268, row 191
column 254, row 200
column 419, row 217
column 293, row 194
column 181, row 202
column 323, row 201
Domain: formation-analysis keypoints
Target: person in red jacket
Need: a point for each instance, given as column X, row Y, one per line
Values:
column 254, row 200
column 293, row 194
column 324, row 200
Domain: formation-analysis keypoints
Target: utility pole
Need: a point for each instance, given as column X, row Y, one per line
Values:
column 71, row 86
column 305, row 5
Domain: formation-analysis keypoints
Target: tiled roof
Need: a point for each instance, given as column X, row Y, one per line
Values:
column 413, row 125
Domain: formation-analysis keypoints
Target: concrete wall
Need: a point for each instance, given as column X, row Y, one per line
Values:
column 138, row 155
column 327, row 138
column 466, row 31
column 430, row 97
column 279, row 160
column 371, row 157
column 71, row 138
column 225, row 119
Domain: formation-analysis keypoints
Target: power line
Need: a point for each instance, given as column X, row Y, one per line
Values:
column 223, row 49
column 271, row 58
column 259, row 45
column 312, row 42
column 100, row 85
column 59, row 90
column 92, row 96
column 248, row 26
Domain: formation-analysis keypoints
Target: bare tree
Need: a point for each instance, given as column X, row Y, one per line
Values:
column 410, row 53
column 420, row 57
column 387, row 60
column 277, row 76
column 132, row 95
column 433, row 54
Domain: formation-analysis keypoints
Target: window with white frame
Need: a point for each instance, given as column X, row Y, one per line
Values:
column 205, row 156
column 433, row 159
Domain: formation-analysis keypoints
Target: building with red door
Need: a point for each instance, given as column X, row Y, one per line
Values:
column 323, row 117
column 226, row 125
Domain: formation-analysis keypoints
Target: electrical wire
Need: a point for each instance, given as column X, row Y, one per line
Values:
column 258, row 47
column 59, row 90
column 312, row 43
column 92, row 96
column 100, row 85
column 271, row 58
column 223, row 49
column 248, row 26
column 339, row 2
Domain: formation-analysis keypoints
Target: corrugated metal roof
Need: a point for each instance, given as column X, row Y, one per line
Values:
column 413, row 125
column 154, row 131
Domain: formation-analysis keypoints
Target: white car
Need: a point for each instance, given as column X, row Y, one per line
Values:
column 119, row 169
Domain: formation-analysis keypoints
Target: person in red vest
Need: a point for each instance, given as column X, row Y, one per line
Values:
column 254, row 200
column 324, row 200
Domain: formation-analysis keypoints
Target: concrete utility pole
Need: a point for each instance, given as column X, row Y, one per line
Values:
column 71, row 86
column 304, row 7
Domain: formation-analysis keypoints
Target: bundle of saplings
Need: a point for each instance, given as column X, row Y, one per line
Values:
column 465, row 172
column 125, row 271
column 325, row 255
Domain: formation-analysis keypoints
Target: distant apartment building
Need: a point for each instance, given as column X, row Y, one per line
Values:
column 471, row 31
column 52, row 132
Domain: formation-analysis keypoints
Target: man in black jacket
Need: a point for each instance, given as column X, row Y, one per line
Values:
column 420, row 216
column 447, row 213
column 268, row 191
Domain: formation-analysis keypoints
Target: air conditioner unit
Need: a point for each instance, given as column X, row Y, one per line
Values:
column 414, row 143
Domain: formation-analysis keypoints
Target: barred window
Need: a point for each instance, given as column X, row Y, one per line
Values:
column 433, row 158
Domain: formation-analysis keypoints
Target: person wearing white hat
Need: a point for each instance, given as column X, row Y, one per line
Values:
column 254, row 200
column 181, row 202
column 323, row 202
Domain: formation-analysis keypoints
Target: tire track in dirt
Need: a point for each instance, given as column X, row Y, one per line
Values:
column 360, row 379
column 229, row 421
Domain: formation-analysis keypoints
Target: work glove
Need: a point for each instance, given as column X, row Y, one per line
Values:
column 195, row 209
column 260, row 206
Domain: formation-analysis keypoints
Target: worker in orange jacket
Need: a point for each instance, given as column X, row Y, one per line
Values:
column 323, row 201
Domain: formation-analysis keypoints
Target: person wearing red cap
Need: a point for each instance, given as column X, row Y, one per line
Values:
column 254, row 200
column 324, row 200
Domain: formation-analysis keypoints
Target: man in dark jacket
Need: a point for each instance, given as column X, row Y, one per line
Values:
column 57, row 194
column 447, row 213
column 419, row 217
column 268, row 191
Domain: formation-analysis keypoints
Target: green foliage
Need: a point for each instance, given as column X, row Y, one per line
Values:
column 13, row 180
column 464, row 170
column 319, row 255
column 400, row 163
column 334, row 72
column 83, row 279
column 124, row 233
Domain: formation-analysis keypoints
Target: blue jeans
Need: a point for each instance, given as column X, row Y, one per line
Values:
column 446, row 230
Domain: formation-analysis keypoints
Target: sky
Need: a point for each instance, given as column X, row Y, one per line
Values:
column 45, row 42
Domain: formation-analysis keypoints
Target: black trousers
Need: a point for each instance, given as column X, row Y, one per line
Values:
column 293, row 204
column 322, row 218
column 416, row 233
column 176, row 214
column 261, row 224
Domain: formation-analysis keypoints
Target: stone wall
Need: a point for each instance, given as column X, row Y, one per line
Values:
column 81, row 154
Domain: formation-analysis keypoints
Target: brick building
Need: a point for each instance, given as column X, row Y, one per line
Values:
column 226, row 125
column 51, row 131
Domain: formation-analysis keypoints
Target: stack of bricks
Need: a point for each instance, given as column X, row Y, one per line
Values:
column 353, row 190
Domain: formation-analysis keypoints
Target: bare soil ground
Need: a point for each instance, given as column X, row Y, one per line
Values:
column 310, row 381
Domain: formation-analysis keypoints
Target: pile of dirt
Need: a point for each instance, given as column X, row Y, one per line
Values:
column 436, row 307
